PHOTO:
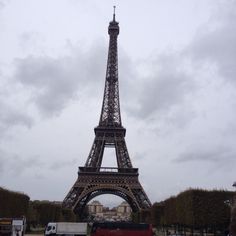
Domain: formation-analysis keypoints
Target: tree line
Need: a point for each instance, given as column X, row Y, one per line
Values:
column 193, row 209
column 13, row 204
column 233, row 220
column 37, row 213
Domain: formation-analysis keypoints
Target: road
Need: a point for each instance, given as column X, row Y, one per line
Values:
column 34, row 234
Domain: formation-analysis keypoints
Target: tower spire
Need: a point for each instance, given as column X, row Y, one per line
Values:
column 110, row 114
column 114, row 13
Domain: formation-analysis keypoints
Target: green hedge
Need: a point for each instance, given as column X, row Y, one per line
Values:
column 199, row 208
column 38, row 213
column 193, row 208
column 42, row 212
column 13, row 204
column 233, row 222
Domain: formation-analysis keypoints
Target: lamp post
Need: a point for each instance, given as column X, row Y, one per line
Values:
column 233, row 216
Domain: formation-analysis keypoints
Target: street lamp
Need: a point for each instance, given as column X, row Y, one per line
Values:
column 233, row 216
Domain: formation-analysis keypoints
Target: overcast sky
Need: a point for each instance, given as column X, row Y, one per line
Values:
column 177, row 74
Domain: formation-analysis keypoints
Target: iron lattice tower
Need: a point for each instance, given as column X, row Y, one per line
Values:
column 94, row 180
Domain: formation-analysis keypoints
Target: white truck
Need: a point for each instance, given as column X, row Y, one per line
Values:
column 66, row 229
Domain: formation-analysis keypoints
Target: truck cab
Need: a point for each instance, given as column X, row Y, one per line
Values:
column 18, row 227
column 51, row 229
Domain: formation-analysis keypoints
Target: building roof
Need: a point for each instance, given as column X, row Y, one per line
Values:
column 95, row 203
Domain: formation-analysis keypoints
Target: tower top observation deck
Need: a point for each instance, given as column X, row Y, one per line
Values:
column 114, row 25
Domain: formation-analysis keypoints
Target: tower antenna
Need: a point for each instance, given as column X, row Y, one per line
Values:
column 114, row 13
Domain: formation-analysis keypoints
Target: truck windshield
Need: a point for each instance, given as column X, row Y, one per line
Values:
column 17, row 227
column 49, row 227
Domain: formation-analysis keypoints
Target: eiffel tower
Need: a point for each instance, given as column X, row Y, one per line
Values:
column 94, row 180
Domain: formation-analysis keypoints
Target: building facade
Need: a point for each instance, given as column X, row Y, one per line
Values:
column 99, row 213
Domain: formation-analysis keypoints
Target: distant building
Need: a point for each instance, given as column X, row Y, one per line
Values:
column 95, row 207
column 110, row 214
column 124, row 209
column 100, row 213
column 57, row 202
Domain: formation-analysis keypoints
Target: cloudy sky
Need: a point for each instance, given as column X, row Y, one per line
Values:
column 177, row 72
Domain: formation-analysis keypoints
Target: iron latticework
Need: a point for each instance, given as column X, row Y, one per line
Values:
column 94, row 180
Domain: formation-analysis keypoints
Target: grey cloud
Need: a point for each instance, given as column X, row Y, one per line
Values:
column 217, row 45
column 11, row 116
column 163, row 91
column 165, row 87
column 139, row 156
column 174, row 77
column 220, row 154
column 11, row 162
column 14, row 111
column 51, row 79
column 56, row 81
column 2, row 4
column 2, row 161
column 22, row 164
column 62, row 164
column 31, row 40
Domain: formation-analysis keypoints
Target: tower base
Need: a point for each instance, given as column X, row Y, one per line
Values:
column 122, row 182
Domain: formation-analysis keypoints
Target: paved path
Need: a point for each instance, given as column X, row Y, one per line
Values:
column 34, row 234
